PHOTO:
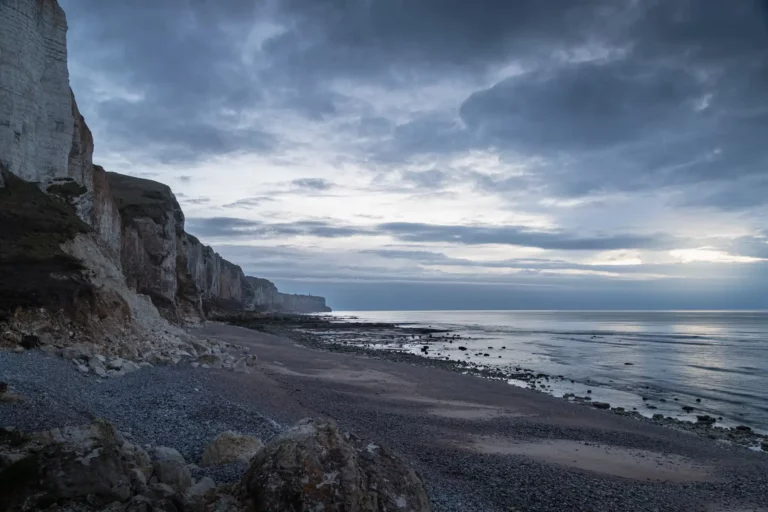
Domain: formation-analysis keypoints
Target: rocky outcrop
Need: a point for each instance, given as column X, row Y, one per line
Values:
column 69, row 465
column 315, row 466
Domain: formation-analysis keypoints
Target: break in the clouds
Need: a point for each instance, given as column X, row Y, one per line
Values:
column 610, row 146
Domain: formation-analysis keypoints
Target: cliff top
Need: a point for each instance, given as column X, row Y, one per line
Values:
column 138, row 197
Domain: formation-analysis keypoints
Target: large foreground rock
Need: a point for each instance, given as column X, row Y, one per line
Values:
column 314, row 466
column 230, row 447
column 60, row 465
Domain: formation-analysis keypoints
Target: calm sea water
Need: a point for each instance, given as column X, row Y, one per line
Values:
column 718, row 357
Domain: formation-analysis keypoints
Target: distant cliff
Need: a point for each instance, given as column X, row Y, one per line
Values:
column 80, row 246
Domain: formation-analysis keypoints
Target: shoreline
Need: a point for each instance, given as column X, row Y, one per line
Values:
column 298, row 327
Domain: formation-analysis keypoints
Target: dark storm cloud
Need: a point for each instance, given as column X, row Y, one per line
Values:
column 581, row 107
column 374, row 37
column 182, row 64
column 615, row 95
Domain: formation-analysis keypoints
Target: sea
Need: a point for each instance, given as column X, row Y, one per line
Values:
column 654, row 361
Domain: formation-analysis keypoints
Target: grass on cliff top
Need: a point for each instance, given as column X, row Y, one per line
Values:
column 137, row 198
column 34, row 271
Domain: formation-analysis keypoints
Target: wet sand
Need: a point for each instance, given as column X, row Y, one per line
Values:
column 485, row 445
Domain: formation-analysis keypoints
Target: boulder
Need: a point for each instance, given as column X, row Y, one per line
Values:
column 212, row 360
column 66, row 465
column 116, row 364
column 129, row 367
column 166, row 453
column 230, row 447
column 173, row 473
column 314, row 466
column 199, row 490
column 97, row 366
column 241, row 366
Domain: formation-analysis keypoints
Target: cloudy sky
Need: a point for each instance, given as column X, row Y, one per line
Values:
column 449, row 154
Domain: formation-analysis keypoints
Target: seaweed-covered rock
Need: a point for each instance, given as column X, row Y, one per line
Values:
column 314, row 466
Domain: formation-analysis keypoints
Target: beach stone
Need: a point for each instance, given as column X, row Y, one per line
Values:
column 199, row 490
column 211, row 360
column 129, row 367
column 167, row 453
column 173, row 473
column 115, row 364
column 743, row 428
column 314, row 466
column 230, row 447
column 601, row 405
column 158, row 491
column 241, row 366
column 97, row 366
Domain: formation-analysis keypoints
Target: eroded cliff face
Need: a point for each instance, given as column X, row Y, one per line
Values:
column 151, row 247
column 264, row 294
column 216, row 278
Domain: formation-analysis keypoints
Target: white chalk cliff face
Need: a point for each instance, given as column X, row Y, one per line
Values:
column 132, row 247
column 36, row 125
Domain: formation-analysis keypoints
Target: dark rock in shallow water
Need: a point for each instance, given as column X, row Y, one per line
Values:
column 743, row 428
column 688, row 408
column 601, row 405
column 462, row 348
column 314, row 466
column 658, row 417
column 705, row 420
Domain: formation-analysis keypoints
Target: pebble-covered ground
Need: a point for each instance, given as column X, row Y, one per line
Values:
column 162, row 406
column 389, row 403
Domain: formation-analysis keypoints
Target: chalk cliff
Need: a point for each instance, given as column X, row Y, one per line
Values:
column 106, row 250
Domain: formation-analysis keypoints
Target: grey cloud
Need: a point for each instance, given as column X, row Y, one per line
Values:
column 430, row 233
column 317, row 184
column 431, row 179
column 583, row 106
column 249, row 202
column 233, row 228
column 514, row 235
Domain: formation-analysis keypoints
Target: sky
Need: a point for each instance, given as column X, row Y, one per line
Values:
column 446, row 154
